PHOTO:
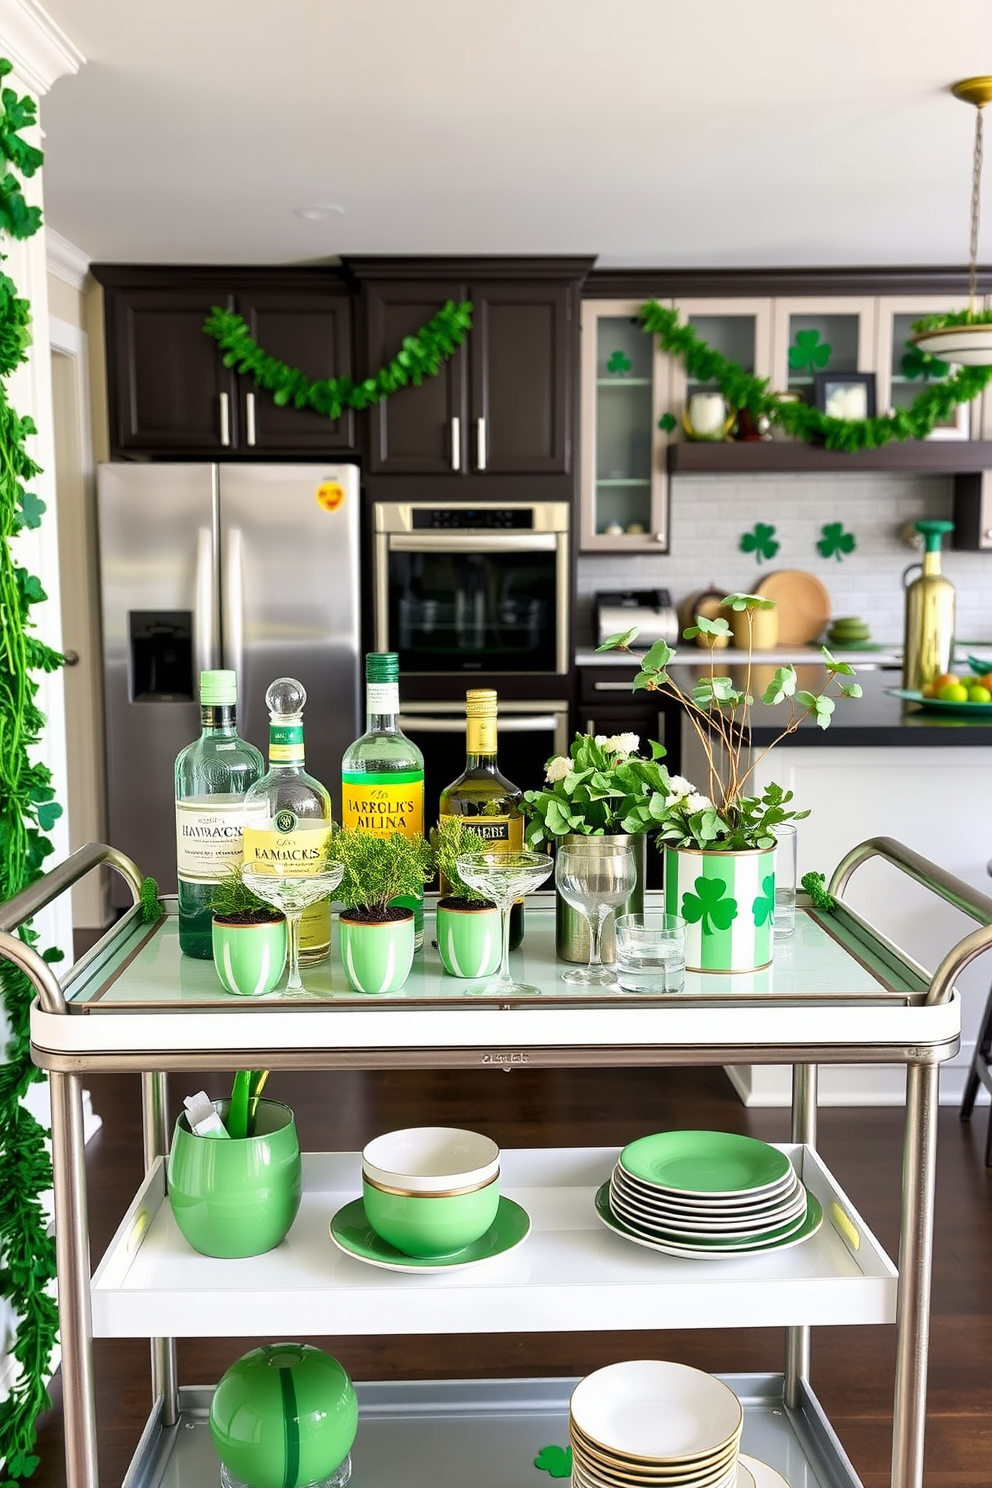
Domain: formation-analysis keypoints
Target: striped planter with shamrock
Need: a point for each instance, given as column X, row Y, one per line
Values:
column 727, row 900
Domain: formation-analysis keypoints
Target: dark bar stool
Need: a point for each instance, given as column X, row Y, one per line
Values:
column 979, row 1073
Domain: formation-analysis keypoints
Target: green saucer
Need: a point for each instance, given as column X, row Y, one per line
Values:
column 707, row 1162
column 352, row 1233
column 810, row 1225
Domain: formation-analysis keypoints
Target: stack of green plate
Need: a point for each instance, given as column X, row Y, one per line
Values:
column 707, row 1195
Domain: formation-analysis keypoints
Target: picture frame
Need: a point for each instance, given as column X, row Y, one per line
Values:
column 959, row 426
column 846, row 395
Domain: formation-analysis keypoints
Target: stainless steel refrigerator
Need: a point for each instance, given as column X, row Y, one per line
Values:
column 251, row 567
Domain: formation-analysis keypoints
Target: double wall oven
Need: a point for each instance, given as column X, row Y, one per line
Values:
column 477, row 595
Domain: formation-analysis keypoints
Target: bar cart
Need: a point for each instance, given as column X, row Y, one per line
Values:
column 838, row 992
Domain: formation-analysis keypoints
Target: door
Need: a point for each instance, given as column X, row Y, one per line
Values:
column 416, row 430
column 305, row 330
column 157, row 529
column 521, row 389
column 170, row 390
column 289, row 584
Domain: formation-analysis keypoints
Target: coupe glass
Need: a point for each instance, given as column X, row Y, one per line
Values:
column 292, row 893
column 504, row 877
column 595, row 878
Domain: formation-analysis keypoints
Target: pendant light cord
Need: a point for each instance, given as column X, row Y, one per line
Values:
column 976, row 201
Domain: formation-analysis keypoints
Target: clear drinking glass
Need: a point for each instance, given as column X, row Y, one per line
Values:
column 292, row 893
column 504, row 877
column 651, row 952
column 595, row 880
column 785, row 879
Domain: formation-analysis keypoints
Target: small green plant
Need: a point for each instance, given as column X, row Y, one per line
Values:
column 600, row 788
column 152, row 908
column 236, row 904
column 378, row 870
column 450, row 839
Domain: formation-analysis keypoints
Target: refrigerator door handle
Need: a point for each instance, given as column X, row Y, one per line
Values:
column 204, row 601
column 233, row 601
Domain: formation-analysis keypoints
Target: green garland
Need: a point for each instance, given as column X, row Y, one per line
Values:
column 27, row 811
column 421, row 355
column 742, row 390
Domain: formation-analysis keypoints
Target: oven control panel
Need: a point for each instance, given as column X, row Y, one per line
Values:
column 473, row 518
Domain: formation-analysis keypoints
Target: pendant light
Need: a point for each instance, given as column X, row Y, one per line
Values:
column 969, row 344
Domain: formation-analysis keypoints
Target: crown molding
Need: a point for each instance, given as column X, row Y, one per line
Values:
column 65, row 260
column 38, row 48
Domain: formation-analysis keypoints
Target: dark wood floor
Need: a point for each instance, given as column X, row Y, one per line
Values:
column 852, row 1367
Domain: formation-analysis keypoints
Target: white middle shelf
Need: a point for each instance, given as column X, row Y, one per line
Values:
column 570, row 1274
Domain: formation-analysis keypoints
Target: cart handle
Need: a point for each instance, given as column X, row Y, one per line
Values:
column 953, row 890
column 37, row 895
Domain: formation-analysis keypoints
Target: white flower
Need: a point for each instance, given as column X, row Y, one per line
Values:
column 678, row 789
column 620, row 744
column 558, row 768
column 601, row 740
column 696, row 802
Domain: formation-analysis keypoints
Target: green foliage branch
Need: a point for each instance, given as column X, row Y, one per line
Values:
column 421, row 355
column 601, row 788
column 378, row 870
column 451, row 839
column 729, row 817
column 234, row 902
column 934, row 405
column 28, row 810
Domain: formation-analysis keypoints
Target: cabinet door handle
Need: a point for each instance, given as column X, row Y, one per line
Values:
column 456, row 443
column 480, row 446
column 250, row 418
column 225, row 419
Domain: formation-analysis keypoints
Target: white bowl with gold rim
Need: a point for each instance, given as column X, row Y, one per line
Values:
column 437, row 1160
column 656, row 1411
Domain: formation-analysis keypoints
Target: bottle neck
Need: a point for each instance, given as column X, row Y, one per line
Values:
column 218, row 719
column 931, row 562
column 480, row 743
column 382, row 705
column 286, row 745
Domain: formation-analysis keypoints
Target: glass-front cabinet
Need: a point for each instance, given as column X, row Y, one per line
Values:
column 828, row 336
column 739, row 329
column 903, row 371
column 626, row 389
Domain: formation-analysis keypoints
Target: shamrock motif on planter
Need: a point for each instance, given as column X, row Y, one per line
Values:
column 835, row 542
column 709, row 906
column 763, row 908
column 760, row 541
column 555, row 1460
column 808, row 353
column 619, row 362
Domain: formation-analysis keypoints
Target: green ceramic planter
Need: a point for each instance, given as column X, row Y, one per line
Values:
column 727, row 900
column 237, row 1196
column 249, row 959
column 468, row 940
column 430, row 1224
column 376, row 957
column 284, row 1416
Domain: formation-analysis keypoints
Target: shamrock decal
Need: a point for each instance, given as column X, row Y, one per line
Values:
column 916, row 363
column 835, row 542
column 760, row 541
column 808, row 353
column 708, row 905
column 555, row 1460
column 668, row 422
column 619, row 362
column 763, row 908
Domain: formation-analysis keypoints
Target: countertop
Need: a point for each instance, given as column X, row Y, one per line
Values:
column 889, row 654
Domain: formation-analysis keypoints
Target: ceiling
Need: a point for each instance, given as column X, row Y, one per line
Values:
column 695, row 133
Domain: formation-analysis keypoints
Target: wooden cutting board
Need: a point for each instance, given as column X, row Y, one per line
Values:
column 802, row 602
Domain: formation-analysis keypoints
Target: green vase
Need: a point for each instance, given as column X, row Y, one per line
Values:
column 237, row 1196
column 249, row 959
column 468, row 940
column 376, row 956
column 572, row 928
column 727, row 900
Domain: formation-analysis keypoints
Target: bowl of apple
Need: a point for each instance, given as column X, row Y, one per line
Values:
column 951, row 687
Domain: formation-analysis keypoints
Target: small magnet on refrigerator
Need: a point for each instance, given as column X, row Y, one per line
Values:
column 330, row 495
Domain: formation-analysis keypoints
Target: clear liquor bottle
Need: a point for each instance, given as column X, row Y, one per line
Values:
column 382, row 773
column 482, row 795
column 287, row 814
column 213, row 775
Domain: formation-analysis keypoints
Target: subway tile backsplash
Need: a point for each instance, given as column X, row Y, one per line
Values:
column 709, row 514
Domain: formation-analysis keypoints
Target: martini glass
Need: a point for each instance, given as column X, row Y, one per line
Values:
column 504, row 877
column 595, row 878
column 292, row 893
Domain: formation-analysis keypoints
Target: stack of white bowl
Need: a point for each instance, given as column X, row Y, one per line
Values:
column 648, row 1423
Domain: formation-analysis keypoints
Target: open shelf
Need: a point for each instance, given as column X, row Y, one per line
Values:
column 770, row 457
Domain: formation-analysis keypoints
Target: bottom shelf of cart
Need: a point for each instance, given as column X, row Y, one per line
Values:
column 487, row 1433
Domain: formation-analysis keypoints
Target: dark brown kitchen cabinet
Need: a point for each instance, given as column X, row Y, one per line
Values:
column 169, row 393
column 504, row 404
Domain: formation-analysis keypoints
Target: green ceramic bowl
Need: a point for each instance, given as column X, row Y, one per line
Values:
column 237, row 1197
column 284, row 1416
column 426, row 1225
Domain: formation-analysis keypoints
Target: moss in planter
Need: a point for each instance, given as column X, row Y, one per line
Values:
column 234, row 903
column 379, row 870
column 451, row 839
